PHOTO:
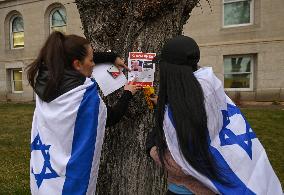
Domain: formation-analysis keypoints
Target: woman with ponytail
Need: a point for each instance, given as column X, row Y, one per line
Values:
column 196, row 131
column 70, row 116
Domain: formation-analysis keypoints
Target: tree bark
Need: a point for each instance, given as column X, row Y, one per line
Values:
column 123, row 26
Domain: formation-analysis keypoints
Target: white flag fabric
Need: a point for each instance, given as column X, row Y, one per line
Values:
column 66, row 142
column 232, row 142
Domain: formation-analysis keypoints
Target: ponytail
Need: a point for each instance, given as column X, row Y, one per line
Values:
column 55, row 61
column 56, row 55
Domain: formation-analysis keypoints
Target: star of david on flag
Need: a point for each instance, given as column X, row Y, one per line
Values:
column 47, row 171
column 227, row 135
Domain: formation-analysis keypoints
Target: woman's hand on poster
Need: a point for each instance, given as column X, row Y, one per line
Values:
column 132, row 87
column 120, row 64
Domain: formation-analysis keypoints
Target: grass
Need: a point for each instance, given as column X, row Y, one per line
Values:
column 15, row 125
column 268, row 124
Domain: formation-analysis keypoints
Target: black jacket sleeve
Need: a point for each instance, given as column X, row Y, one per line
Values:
column 103, row 57
column 116, row 112
column 150, row 141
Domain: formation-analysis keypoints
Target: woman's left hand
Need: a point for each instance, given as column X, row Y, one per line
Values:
column 120, row 63
column 154, row 99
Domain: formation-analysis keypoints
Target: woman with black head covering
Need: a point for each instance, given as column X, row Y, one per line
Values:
column 200, row 132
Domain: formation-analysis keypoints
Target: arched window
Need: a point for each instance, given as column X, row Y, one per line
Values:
column 58, row 20
column 17, row 32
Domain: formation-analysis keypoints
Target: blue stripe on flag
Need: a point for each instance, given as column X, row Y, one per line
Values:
column 85, row 132
column 238, row 186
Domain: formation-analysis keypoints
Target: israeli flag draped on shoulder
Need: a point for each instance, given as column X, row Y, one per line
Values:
column 232, row 142
column 66, row 142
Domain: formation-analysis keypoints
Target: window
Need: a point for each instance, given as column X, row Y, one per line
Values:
column 16, row 79
column 17, row 32
column 238, row 72
column 237, row 13
column 58, row 20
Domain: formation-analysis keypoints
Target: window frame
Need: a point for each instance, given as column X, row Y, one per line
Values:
column 50, row 18
column 251, row 83
column 238, row 25
column 12, row 80
column 12, row 33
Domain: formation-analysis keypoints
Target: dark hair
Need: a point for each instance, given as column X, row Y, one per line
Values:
column 57, row 54
column 181, row 91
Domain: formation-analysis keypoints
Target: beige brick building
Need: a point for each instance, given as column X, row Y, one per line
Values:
column 242, row 39
column 244, row 42
column 24, row 26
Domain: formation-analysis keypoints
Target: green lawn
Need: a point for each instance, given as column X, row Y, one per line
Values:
column 15, row 124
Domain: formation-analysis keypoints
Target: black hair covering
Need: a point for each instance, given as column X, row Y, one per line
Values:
column 181, row 50
column 181, row 91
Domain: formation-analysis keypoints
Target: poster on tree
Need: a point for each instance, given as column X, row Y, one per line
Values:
column 142, row 68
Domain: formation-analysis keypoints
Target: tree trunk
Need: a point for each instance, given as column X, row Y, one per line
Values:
column 123, row 26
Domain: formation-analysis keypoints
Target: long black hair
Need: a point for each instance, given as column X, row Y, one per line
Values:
column 181, row 91
column 57, row 54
